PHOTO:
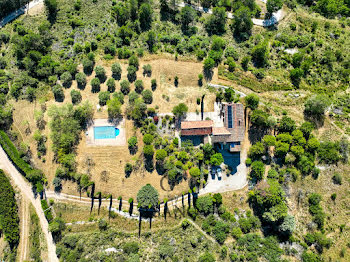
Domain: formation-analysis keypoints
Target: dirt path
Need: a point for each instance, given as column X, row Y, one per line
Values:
column 201, row 230
column 26, row 190
column 24, row 226
column 339, row 129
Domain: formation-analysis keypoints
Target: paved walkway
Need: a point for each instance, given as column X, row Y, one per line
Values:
column 19, row 12
column 26, row 191
column 275, row 18
column 225, row 87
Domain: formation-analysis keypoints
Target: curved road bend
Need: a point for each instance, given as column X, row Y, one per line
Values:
column 26, row 190
column 22, row 10
column 275, row 18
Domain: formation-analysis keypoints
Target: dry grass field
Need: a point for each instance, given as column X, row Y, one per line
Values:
column 108, row 162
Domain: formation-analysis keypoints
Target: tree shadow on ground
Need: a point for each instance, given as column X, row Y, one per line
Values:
column 208, row 74
column 115, row 121
column 160, row 168
column 256, row 134
column 149, row 166
column 133, row 150
column 317, row 121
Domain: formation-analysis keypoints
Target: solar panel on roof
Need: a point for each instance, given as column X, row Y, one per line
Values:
column 229, row 116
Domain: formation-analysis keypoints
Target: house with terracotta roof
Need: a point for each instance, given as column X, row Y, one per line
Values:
column 229, row 134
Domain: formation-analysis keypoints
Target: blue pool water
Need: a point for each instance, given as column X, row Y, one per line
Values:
column 105, row 132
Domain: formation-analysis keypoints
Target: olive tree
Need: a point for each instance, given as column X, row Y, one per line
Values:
column 114, row 108
column 103, row 97
column 147, row 96
column 116, row 71
column 66, row 79
column 81, row 80
column 316, row 105
column 204, row 205
column 100, row 73
column 111, row 85
column 180, row 110
column 125, row 87
column 139, row 86
column 95, row 85
column 76, row 96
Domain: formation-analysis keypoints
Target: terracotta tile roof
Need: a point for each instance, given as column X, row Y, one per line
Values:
column 237, row 130
column 196, row 124
column 221, row 131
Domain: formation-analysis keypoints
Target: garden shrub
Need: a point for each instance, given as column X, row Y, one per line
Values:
column 47, row 211
column 316, row 210
column 192, row 212
column 220, row 231
column 131, row 248
column 204, row 205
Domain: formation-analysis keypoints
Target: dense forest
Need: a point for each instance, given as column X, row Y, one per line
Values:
column 9, row 220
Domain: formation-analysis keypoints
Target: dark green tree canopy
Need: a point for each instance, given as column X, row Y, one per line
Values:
column 242, row 24
column 188, row 14
column 215, row 25
column 252, row 101
column 273, row 6
column 147, row 197
column 316, row 105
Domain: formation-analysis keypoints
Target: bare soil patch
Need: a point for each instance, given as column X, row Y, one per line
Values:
column 23, row 252
column 36, row 10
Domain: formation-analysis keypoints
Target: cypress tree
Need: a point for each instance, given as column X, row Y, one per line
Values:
column 92, row 196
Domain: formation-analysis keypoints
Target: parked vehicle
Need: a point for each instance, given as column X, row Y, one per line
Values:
column 219, row 173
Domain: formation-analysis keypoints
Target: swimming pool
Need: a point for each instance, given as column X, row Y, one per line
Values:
column 105, row 132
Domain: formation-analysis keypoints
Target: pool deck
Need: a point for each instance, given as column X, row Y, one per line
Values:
column 120, row 140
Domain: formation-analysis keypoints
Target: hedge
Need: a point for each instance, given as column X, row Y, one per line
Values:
column 33, row 175
column 47, row 211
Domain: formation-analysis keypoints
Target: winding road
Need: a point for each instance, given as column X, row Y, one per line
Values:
column 26, row 190
column 7, row 19
column 275, row 18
